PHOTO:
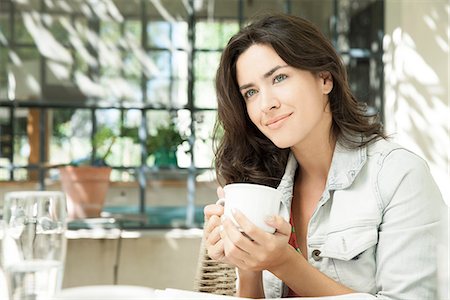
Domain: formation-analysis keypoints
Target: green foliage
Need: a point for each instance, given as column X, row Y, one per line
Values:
column 104, row 138
column 166, row 138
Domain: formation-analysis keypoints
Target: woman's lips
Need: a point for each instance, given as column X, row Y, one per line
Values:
column 276, row 122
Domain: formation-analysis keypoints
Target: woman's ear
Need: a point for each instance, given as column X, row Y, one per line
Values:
column 327, row 82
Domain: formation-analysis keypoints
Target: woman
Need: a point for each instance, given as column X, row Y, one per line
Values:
column 364, row 211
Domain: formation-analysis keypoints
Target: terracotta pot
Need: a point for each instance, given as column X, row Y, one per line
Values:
column 85, row 189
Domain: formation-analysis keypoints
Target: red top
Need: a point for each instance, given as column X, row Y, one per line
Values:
column 293, row 243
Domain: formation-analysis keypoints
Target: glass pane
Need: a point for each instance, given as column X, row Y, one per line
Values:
column 110, row 31
column 179, row 93
column 108, row 47
column 123, row 150
column 205, row 94
column 81, row 64
column 5, row 29
column 205, row 65
column 131, row 65
column 158, row 92
column 180, row 34
column 4, row 172
column 61, row 133
column 207, row 35
column 180, row 64
column 25, row 73
column 165, row 133
column 184, row 125
column 214, row 34
column 133, row 31
column 57, row 29
column 24, row 148
column 3, row 73
column 158, row 34
column 108, row 119
column 71, row 136
column 129, row 90
column 21, row 34
column 161, row 59
column 80, row 36
column 204, row 124
column 6, row 139
column 229, row 28
column 22, row 175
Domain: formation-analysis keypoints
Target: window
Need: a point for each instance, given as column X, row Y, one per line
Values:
column 70, row 68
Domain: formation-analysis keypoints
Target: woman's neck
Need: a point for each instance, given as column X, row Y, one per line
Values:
column 315, row 158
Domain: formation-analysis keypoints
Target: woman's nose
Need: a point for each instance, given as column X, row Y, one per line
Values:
column 269, row 101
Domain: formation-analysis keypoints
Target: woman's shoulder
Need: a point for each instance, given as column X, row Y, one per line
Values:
column 399, row 171
column 387, row 153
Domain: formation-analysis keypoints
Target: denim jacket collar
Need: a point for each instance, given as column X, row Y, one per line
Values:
column 345, row 166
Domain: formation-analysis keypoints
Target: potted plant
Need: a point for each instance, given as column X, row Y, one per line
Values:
column 86, row 181
column 163, row 145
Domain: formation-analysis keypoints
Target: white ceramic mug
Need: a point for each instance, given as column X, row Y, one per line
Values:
column 255, row 201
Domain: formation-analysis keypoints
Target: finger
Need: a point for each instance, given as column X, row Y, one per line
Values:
column 212, row 209
column 216, row 251
column 212, row 223
column 280, row 224
column 248, row 227
column 214, row 236
column 233, row 253
column 237, row 237
column 220, row 192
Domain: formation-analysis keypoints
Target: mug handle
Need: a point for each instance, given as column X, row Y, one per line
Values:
column 221, row 201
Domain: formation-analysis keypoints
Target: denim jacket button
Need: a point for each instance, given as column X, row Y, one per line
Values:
column 316, row 255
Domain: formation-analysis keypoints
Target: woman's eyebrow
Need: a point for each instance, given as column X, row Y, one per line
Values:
column 267, row 74
column 273, row 70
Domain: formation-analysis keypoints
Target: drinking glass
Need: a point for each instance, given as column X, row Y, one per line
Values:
column 34, row 243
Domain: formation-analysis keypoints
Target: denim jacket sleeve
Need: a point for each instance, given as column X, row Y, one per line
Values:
column 410, row 205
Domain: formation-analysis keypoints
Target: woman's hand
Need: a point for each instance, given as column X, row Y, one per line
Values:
column 256, row 250
column 211, row 232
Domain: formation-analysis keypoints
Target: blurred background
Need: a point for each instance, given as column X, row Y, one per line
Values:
column 140, row 74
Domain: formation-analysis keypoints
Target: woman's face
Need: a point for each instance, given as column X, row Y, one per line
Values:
column 288, row 105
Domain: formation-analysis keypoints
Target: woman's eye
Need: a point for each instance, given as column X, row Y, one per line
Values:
column 249, row 93
column 279, row 78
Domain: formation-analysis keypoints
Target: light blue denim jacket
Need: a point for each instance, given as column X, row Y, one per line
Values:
column 375, row 227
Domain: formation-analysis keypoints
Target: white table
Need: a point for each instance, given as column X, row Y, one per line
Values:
column 120, row 292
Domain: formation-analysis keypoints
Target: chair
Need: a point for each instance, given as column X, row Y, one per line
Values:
column 213, row 276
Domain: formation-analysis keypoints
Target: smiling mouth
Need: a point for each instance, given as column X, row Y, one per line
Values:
column 277, row 121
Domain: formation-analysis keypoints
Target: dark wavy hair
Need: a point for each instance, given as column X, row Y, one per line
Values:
column 243, row 153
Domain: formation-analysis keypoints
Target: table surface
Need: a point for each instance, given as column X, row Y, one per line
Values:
column 129, row 292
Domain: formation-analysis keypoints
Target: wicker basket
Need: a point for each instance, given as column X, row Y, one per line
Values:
column 213, row 276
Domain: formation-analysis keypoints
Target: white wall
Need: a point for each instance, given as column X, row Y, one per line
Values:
column 417, row 110
column 416, row 81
